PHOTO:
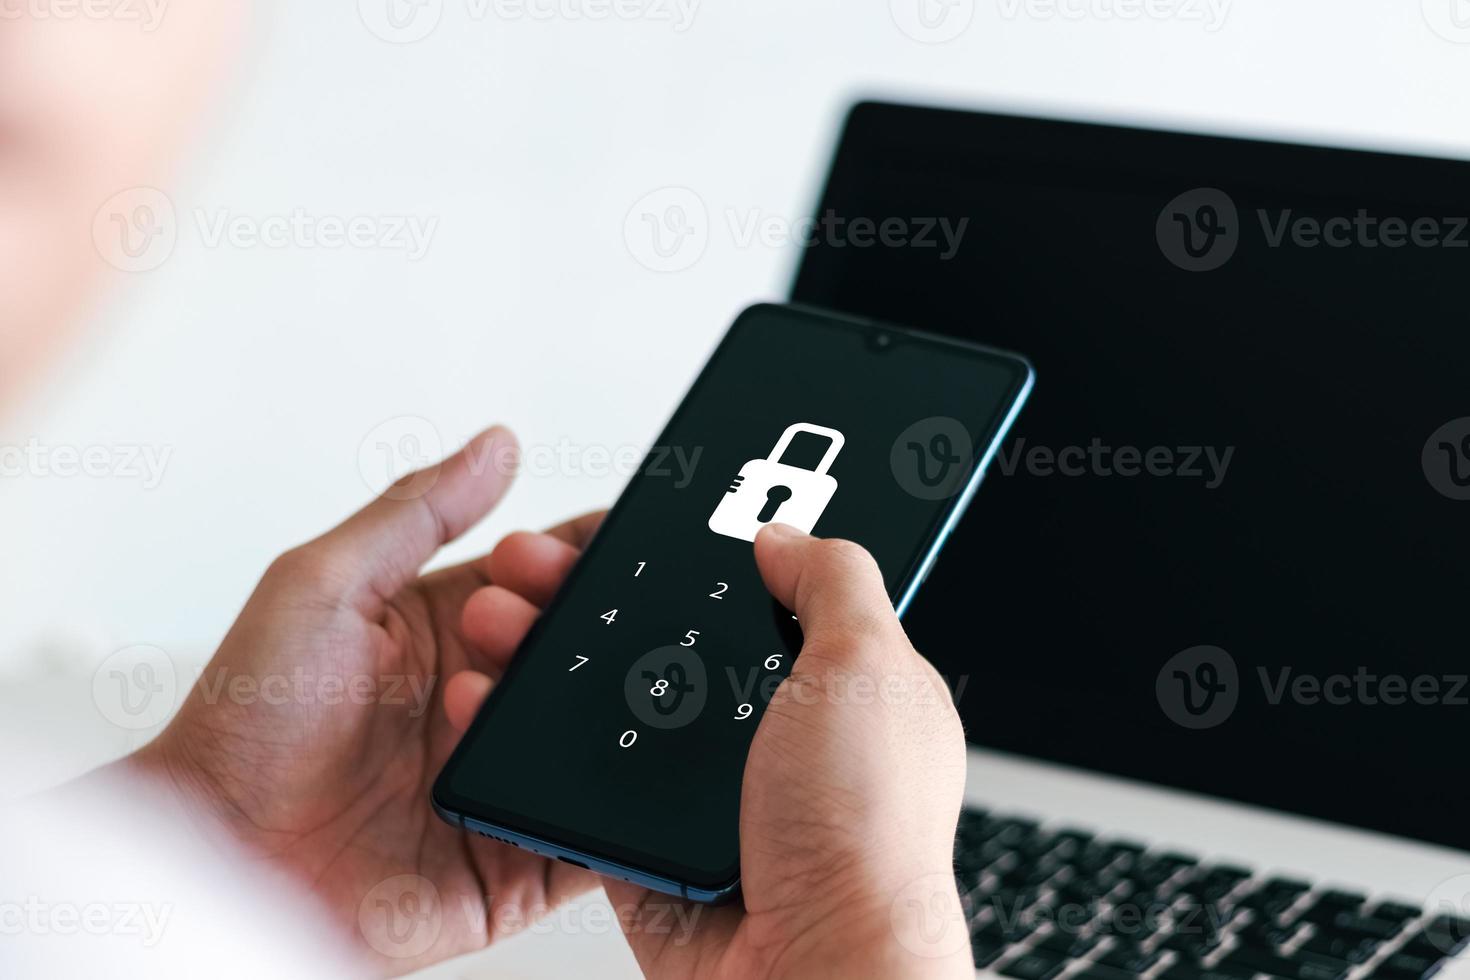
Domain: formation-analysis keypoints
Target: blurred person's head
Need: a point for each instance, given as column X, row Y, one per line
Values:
column 95, row 99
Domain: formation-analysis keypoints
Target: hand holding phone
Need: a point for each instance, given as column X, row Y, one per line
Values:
column 851, row 790
column 640, row 688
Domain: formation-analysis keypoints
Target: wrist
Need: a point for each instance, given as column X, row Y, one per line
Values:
column 184, row 785
column 913, row 929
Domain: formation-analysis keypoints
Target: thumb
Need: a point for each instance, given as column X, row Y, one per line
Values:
column 382, row 547
column 833, row 586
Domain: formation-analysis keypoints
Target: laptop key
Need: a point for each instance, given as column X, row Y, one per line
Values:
column 1097, row 971
column 1244, row 962
column 1275, row 896
column 1402, row 911
column 1404, row 966
column 1191, row 946
column 1128, row 957
column 1325, row 910
column 1067, row 944
column 1266, row 934
column 1193, row 971
column 1447, row 933
column 1036, row 965
column 1361, row 927
column 1344, row 948
column 986, row 951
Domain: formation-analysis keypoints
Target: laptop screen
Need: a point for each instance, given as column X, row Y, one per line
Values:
column 1226, row 546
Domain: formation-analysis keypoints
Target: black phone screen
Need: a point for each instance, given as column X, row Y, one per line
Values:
column 622, row 727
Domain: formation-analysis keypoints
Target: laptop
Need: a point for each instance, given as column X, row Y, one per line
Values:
column 1206, row 621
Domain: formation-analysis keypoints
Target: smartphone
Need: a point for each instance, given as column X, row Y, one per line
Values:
column 617, row 739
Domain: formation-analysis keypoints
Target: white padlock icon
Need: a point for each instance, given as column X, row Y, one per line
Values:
column 769, row 490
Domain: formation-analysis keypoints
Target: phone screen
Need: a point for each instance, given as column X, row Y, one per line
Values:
column 622, row 727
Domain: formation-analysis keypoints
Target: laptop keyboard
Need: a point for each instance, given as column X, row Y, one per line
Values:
column 1044, row 904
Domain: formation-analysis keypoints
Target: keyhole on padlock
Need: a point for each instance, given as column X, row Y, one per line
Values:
column 775, row 497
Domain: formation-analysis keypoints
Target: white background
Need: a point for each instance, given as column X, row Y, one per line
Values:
column 263, row 370
column 266, row 373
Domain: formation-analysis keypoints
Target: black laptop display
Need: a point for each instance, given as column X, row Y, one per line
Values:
column 1228, row 545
